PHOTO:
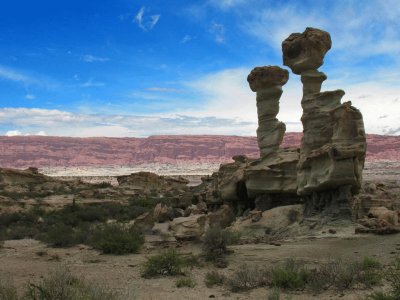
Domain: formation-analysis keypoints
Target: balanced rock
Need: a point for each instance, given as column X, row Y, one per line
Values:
column 267, row 82
column 306, row 51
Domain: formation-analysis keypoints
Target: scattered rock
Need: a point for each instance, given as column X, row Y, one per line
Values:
column 187, row 228
column 163, row 213
column 222, row 218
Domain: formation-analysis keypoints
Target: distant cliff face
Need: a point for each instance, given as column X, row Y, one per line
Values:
column 39, row 151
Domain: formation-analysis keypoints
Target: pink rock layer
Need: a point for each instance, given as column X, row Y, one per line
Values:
column 39, row 151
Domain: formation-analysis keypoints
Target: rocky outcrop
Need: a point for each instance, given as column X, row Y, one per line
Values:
column 326, row 171
column 188, row 228
column 333, row 147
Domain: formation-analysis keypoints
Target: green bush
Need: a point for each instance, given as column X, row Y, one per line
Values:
column 116, row 239
column 62, row 285
column 169, row 263
column 275, row 294
column 185, row 282
column 247, row 277
column 290, row 275
column 216, row 241
column 214, row 278
column 7, row 289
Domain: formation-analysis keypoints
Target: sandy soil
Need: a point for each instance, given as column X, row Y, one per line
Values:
column 20, row 261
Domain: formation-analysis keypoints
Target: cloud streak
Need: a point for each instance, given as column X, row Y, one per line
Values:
column 146, row 23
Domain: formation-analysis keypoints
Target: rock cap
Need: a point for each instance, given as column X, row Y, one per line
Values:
column 306, row 51
column 267, row 76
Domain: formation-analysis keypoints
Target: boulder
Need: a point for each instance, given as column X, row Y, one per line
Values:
column 188, row 228
column 163, row 213
column 382, row 213
column 271, row 221
column 144, row 222
column 222, row 218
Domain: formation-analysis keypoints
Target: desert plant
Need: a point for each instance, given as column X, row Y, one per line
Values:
column 290, row 275
column 275, row 294
column 116, row 239
column 247, row 277
column 216, row 241
column 168, row 263
column 185, row 282
column 62, row 285
column 214, row 278
column 7, row 289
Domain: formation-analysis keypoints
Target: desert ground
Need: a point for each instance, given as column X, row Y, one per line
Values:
column 311, row 241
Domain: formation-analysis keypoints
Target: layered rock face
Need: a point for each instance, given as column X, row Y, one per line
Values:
column 326, row 171
column 333, row 146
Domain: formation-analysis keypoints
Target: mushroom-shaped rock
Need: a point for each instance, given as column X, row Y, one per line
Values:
column 264, row 77
column 306, row 51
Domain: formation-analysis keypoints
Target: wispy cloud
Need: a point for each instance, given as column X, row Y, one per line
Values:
column 30, row 96
column 91, row 58
column 25, row 78
column 186, row 39
column 219, row 32
column 225, row 4
column 164, row 90
column 61, row 123
column 145, row 22
column 91, row 83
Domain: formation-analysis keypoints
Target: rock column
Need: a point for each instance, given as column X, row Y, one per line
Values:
column 333, row 145
column 267, row 82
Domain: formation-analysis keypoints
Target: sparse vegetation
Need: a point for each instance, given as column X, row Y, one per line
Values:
column 214, row 278
column 169, row 263
column 392, row 276
column 216, row 241
column 116, row 239
column 290, row 275
column 7, row 289
column 275, row 294
column 185, row 282
column 62, row 285
column 247, row 277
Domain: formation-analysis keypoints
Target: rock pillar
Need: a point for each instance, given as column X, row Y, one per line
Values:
column 267, row 82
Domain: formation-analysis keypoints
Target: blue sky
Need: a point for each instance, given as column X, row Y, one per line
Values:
column 139, row 68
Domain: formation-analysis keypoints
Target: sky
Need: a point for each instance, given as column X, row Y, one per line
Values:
column 135, row 68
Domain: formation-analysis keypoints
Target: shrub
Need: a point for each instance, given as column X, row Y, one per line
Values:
column 344, row 274
column 214, row 278
column 169, row 263
column 290, row 275
column 116, row 239
column 275, row 294
column 7, row 289
column 185, row 282
column 247, row 277
column 216, row 241
column 62, row 285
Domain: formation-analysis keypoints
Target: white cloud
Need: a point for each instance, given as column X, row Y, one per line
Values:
column 10, row 74
column 91, row 58
column 186, row 39
column 30, row 96
column 163, row 90
column 91, row 83
column 146, row 23
column 219, row 32
column 13, row 133
column 224, row 4
column 62, row 123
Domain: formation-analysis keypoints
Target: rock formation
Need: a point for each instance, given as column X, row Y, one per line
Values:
column 267, row 82
column 333, row 146
column 326, row 171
